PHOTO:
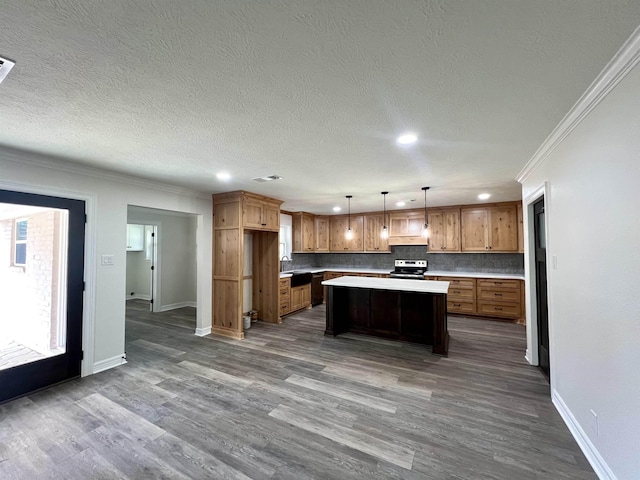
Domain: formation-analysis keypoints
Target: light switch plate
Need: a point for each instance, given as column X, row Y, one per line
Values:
column 554, row 261
column 107, row 260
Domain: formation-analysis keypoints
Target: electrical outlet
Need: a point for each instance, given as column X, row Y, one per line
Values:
column 594, row 422
column 107, row 260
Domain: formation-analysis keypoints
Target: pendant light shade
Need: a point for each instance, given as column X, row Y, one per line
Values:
column 384, row 234
column 349, row 233
column 425, row 229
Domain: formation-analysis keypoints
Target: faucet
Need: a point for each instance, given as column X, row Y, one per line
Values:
column 282, row 260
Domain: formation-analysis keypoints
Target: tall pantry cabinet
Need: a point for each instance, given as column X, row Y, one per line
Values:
column 234, row 214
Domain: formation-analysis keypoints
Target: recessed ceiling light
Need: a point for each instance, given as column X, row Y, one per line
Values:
column 401, row 204
column 336, row 209
column 484, row 196
column 224, row 176
column 407, row 139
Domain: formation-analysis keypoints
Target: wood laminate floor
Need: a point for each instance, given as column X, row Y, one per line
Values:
column 290, row 403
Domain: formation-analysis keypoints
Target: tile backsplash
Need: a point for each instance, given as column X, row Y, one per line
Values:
column 449, row 262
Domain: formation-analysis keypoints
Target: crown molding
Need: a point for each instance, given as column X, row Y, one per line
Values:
column 63, row 165
column 620, row 65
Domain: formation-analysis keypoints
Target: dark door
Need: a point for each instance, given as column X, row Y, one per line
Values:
column 541, row 286
column 41, row 291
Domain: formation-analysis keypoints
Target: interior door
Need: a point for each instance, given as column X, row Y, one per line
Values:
column 41, row 291
column 541, row 286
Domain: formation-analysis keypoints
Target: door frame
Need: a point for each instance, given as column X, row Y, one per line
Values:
column 90, row 269
column 530, row 275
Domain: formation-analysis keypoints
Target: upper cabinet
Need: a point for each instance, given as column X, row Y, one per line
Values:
column 520, row 229
column 373, row 242
column 444, row 230
column 338, row 230
column 303, row 233
column 321, row 234
column 135, row 237
column 405, row 228
column 260, row 213
column 489, row 229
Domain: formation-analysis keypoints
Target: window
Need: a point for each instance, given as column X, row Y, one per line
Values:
column 20, row 244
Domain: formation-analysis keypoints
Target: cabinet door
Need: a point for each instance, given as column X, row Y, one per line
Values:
column 308, row 233
column 296, row 298
column 520, row 229
column 252, row 214
column 135, row 238
column 451, row 237
column 373, row 242
column 436, row 231
column 271, row 217
column 474, row 229
column 322, row 234
column 356, row 244
column 306, row 296
column 338, row 230
column 503, row 232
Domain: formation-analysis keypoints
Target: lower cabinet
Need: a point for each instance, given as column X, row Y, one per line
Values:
column 293, row 298
column 485, row 297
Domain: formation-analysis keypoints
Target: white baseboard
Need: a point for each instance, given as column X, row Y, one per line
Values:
column 112, row 362
column 139, row 297
column 527, row 356
column 173, row 306
column 201, row 332
column 593, row 456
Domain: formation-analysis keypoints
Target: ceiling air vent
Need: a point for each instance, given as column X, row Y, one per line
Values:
column 5, row 67
column 268, row 178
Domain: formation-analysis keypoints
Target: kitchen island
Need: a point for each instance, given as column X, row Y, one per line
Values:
column 411, row 310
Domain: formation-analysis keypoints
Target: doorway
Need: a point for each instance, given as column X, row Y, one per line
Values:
column 542, row 311
column 142, row 261
column 41, row 291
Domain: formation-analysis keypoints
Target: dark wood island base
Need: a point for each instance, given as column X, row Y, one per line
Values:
column 414, row 316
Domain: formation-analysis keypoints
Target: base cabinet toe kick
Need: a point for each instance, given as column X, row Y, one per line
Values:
column 373, row 306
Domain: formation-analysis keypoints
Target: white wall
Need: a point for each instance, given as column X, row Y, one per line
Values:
column 107, row 196
column 177, row 256
column 592, row 205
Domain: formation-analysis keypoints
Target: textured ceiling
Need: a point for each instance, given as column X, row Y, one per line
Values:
column 176, row 91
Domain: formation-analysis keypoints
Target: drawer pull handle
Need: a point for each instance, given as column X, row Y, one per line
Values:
column 498, row 308
column 498, row 294
column 456, row 291
column 457, row 305
column 497, row 283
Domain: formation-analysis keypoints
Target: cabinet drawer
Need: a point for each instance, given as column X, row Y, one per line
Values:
column 459, row 282
column 461, row 306
column 284, row 283
column 503, row 295
column 284, row 291
column 490, row 283
column 284, row 307
column 459, row 293
column 494, row 309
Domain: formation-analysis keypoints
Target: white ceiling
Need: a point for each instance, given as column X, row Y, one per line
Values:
column 177, row 91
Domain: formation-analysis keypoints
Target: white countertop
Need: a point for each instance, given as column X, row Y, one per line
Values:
column 437, row 273
column 427, row 286
column 501, row 276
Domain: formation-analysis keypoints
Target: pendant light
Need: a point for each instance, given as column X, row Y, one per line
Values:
column 349, row 233
column 384, row 234
column 425, row 230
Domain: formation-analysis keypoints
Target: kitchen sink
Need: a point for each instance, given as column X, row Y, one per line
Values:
column 300, row 277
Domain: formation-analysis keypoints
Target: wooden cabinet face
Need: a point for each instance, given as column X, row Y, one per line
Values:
column 405, row 228
column 322, row 234
column 337, row 233
column 503, row 234
column 296, row 298
column 271, row 217
column 373, row 242
column 303, row 232
column 252, row 214
column 520, row 228
column 451, row 240
column 474, row 229
column 356, row 244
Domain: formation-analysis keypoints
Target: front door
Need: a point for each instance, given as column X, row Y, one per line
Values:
column 41, row 291
column 541, row 286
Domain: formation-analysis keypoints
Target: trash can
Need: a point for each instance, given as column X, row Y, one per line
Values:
column 246, row 320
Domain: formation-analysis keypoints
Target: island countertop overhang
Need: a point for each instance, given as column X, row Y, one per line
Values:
column 420, row 286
